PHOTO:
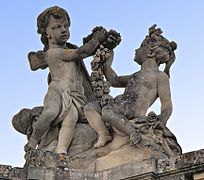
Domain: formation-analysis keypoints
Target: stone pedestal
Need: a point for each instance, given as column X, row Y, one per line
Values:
column 49, row 166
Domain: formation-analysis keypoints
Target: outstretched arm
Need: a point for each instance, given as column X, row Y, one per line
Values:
column 82, row 52
column 87, row 48
column 165, row 98
column 111, row 76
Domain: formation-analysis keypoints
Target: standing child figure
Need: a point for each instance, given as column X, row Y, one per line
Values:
column 65, row 96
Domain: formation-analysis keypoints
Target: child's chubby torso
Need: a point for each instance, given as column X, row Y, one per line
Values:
column 62, row 64
column 65, row 73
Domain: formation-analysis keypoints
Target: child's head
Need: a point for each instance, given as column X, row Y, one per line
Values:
column 160, row 49
column 44, row 19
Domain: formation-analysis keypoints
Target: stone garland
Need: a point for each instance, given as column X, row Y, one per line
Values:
column 100, row 85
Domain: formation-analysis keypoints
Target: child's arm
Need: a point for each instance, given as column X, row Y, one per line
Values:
column 112, row 77
column 89, row 47
column 165, row 97
column 86, row 49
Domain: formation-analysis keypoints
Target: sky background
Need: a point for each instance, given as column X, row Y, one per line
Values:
column 181, row 21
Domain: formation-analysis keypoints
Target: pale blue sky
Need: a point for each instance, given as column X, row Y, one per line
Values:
column 181, row 21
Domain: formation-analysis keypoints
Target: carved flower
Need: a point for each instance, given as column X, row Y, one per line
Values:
column 151, row 117
column 105, row 99
column 106, row 87
column 98, row 92
column 94, row 66
column 94, row 75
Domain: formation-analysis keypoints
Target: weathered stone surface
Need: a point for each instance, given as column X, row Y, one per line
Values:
column 39, row 173
column 129, row 170
column 183, row 167
column 198, row 176
column 84, row 138
column 181, row 162
column 5, row 171
column 126, row 155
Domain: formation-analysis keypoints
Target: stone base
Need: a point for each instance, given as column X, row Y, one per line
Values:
column 51, row 166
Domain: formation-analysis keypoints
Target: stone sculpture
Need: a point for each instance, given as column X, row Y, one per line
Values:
column 65, row 97
column 51, row 127
column 78, row 107
column 126, row 113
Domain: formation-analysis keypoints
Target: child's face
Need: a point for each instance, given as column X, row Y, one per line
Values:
column 58, row 30
column 140, row 55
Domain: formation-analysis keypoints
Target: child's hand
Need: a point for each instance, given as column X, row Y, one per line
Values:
column 114, row 39
column 100, row 34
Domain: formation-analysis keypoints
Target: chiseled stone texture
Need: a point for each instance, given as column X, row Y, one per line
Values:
column 184, row 167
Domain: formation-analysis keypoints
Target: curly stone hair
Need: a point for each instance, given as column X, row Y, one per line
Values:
column 151, row 42
column 43, row 20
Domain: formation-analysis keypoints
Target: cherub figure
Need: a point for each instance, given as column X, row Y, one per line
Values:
column 141, row 91
column 65, row 96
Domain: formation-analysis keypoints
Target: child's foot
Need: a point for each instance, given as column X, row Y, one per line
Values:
column 32, row 143
column 61, row 152
column 63, row 156
column 102, row 140
column 27, row 148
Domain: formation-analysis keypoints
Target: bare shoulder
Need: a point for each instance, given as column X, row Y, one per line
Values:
column 60, row 52
column 53, row 51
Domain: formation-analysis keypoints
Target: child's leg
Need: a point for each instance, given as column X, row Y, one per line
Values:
column 50, row 112
column 112, row 116
column 91, row 111
column 66, row 132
